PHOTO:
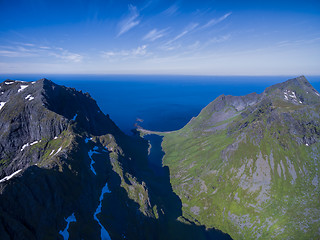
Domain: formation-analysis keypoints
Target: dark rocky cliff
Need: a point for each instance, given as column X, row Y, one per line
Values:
column 34, row 113
column 66, row 168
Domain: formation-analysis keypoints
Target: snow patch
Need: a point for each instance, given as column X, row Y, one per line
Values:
column 104, row 233
column 24, row 146
column 10, row 176
column 2, row 105
column 58, row 151
column 51, row 152
column 8, row 83
column 22, row 87
column 29, row 97
column 87, row 140
column 317, row 94
column 307, row 144
column 29, row 144
column 292, row 95
column 33, row 82
column 35, row 142
column 55, row 137
column 65, row 233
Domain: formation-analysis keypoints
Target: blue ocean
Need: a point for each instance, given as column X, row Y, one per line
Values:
column 161, row 103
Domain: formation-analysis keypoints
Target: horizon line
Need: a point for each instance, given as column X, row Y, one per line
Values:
column 167, row 74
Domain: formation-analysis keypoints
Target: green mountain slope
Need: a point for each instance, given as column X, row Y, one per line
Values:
column 249, row 165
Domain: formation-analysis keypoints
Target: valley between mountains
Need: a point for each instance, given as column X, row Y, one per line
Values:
column 247, row 167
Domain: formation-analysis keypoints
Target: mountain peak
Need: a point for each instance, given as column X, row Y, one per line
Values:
column 254, row 158
column 296, row 90
column 40, row 111
column 300, row 81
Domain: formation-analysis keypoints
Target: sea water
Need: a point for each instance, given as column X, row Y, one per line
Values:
column 162, row 103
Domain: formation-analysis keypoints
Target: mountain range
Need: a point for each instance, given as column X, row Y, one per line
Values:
column 68, row 172
column 247, row 167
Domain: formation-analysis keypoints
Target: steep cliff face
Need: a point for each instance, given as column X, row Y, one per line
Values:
column 67, row 171
column 250, row 165
column 49, row 135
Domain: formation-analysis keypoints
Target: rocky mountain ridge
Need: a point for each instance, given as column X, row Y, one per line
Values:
column 68, row 172
column 252, row 162
column 33, row 113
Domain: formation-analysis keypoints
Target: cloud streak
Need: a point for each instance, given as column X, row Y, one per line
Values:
column 171, row 10
column 67, row 56
column 290, row 43
column 15, row 53
column 155, row 34
column 22, row 50
column 215, row 21
column 136, row 52
column 130, row 21
column 185, row 32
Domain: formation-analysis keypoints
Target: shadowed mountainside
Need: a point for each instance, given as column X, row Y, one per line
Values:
column 62, row 157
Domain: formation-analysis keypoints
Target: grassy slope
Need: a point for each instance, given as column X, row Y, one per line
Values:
column 243, row 194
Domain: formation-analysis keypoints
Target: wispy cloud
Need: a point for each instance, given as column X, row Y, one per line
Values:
column 66, row 55
column 22, row 50
column 130, row 21
column 220, row 39
column 171, row 10
column 18, row 51
column 215, row 21
column 194, row 46
column 136, row 52
column 170, row 47
column 15, row 53
column 188, row 29
column 290, row 43
column 26, row 44
column 155, row 34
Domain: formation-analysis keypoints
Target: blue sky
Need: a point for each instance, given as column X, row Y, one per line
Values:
column 208, row 37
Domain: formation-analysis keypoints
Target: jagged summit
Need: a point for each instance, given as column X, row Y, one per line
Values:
column 31, row 112
column 300, row 81
column 289, row 95
column 297, row 91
